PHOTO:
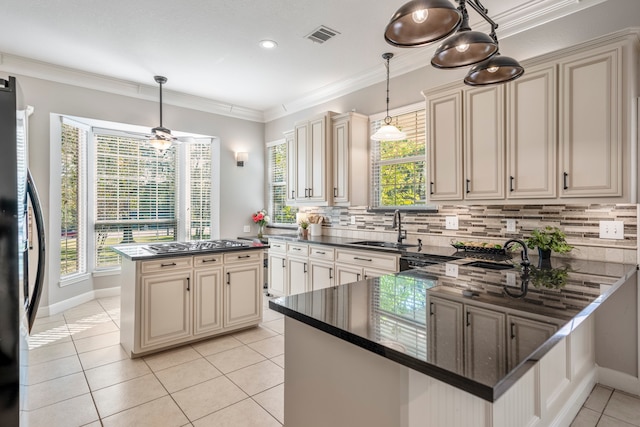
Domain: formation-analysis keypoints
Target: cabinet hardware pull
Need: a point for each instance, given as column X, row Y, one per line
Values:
column 292, row 193
column 310, row 192
column 468, row 182
column 208, row 260
column 366, row 277
column 283, row 266
column 564, row 180
column 228, row 278
column 244, row 256
column 168, row 264
column 330, row 273
column 321, row 252
column 362, row 259
column 188, row 284
column 304, row 268
column 511, row 183
column 513, row 332
column 335, row 191
column 431, row 188
column 468, row 320
column 357, row 276
column 430, row 309
column 306, row 192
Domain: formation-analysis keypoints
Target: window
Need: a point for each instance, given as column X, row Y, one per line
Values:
column 72, row 239
column 277, row 182
column 199, row 223
column 398, row 168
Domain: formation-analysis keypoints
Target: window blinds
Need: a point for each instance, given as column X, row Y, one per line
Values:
column 277, row 158
column 199, row 227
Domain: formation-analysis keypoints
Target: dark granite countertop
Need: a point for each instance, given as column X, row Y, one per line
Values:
column 389, row 315
column 138, row 251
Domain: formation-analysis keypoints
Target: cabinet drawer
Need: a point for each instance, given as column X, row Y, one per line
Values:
column 296, row 249
column 277, row 246
column 165, row 264
column 368, row 259
column 242, row 257
column 211, row 260
column 321, row 252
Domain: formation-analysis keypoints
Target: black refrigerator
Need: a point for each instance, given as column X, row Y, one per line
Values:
column 20, row 212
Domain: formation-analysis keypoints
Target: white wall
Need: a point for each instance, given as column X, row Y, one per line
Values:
column 242, row 189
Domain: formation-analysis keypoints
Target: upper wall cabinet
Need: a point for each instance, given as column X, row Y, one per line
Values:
column 350, row 159
column 591, row 112
column 531, row 134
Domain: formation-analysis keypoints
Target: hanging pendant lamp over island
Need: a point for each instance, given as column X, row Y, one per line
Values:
column 420, row 22
column 161, row 137
column 388, row 132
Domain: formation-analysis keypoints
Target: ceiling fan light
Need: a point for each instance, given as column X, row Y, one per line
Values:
column 160, row 143
column 420, row 22
column 389, row 133
column 464, row 48
column 497, row 69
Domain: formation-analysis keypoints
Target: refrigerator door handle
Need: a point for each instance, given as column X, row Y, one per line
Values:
column 34, row 299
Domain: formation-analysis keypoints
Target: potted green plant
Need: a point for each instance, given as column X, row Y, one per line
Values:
column 548, row 239
column 303, row 231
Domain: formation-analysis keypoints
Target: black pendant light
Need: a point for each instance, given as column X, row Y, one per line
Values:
column 466, row 47
column 161, row 138
column 388, row 132
column 497, row 69
column 421, row 22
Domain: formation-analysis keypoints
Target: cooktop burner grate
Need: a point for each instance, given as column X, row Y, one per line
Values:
column 200, row 245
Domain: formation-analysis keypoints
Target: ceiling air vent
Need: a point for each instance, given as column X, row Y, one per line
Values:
column 322, row 34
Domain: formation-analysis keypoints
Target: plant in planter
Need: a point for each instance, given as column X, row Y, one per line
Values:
column 550, row 278
column 303, row 230
column 547, row 240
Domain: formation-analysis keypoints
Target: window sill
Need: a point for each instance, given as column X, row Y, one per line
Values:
column 426, row 209
column 73, row 280
column 106, row 272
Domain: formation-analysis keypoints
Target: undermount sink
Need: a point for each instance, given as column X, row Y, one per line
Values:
column 489, row 265
column 379, row 244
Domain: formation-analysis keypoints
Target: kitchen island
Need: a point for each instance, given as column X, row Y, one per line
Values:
column 425, row 348
column 173, row 293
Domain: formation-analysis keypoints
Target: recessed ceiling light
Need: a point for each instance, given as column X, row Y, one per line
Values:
column 268, row 44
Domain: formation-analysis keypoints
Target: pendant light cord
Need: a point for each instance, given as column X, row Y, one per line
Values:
column 387, row 56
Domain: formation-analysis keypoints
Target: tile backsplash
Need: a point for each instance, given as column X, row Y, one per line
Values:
column 488, row 223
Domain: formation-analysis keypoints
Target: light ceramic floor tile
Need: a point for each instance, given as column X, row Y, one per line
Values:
column 49, row 319
column 187, row 374
column 598, row 398
column 278, row 360
column 208, row 397
column 244, row 413
column 273, row 401
column 51, row 352
column 624, row 407
column 270, row 347
column 216, row 345
column 607, row 421
column 48, row 326
column 161, row 412
column 56, row 390
column 93, row 424
column 254, row 334
column 257, row 378
column 93, row 329
column 54, row 369
column 47, row 337
column 268, row 315
column 173, row 357
column 76, row 411
column 99, row 341
column 128, row 394
column 275, row 325
column 116, row 372
column 234, row 359
column 103, row 356
column 586, row 418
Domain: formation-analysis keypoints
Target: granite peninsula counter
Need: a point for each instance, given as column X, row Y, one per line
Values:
column 423, row 348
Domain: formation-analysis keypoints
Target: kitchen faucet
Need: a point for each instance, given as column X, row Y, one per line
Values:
column 525, row 253
column 397, row 222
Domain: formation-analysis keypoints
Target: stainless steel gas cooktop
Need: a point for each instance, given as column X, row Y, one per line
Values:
column 195, row 246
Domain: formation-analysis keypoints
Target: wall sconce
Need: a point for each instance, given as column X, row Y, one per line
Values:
column 241, row 157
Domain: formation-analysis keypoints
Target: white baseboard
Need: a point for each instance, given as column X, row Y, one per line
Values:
column 619, row 380
column 61, row 306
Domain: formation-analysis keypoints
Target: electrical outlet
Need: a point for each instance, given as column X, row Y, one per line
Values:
column 353, row 220
column 247, row 229
column 511, row 225
column 451, row 222
column 612, row 230
column 451, row 270
column 511, row 278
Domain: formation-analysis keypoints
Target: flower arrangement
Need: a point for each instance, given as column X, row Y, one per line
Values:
column 261, row 217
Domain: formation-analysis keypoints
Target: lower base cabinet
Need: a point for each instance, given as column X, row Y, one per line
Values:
column 171, row 301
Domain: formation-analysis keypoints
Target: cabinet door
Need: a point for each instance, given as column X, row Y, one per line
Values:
column 291, row 167
column 590, row 125
column 341, row 144
column 525, row 336
column 446, row 334
column 278, row 275
column 321, row 275
column 299, row 159
column 347, row 274
column 445, row 145
column 166, row 308
column 484, row 143
column 317, row 171
column 297, row 273
column 485, row 346
column 242, row 294
column 207, row 303
column 531, row 130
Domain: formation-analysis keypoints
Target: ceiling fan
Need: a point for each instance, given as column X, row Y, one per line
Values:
column 161, row 137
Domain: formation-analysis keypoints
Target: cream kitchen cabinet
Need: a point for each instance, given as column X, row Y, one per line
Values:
column 355, row 265
column 591, row 111
column 278, row 283
column 446, row 348
column 321, row 267
column 525, row 335
column 290, row 141
column 207, row 298
column 298, row 268
column 485, row 344
column 243, row 289
column 531, row 134
column 350, row 135
column 310, row 168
